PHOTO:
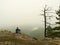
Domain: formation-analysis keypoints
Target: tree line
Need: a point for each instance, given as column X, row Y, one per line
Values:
column 49, row 31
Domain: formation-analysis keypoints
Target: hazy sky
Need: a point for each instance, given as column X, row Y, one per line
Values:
column 17, row 12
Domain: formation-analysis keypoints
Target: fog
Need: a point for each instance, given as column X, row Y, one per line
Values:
column 24, row 12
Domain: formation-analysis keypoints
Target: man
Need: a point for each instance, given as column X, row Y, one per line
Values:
column 18, row 30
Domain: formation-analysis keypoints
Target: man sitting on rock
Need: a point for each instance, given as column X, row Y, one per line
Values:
column 18, row 30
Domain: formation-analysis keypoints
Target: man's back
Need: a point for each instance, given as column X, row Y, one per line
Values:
column 17, row 30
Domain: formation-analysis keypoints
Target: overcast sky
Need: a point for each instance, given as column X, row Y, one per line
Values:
column 17, row 12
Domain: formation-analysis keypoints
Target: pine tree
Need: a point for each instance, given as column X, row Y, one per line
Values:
column 49, row 31
column 58, row 18
column 57, row 28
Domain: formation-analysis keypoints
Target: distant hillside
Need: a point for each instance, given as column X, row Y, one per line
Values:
column 38, row 33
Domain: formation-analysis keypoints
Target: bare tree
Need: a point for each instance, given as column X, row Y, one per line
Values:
column 45, row 11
